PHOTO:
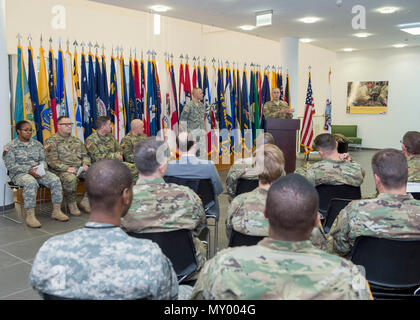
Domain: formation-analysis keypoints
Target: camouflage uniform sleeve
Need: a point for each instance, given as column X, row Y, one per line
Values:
column 10, row 162
column 127, row 150
column 308, row 174
column 340, row 241
column 233, row 208
column 51, row 153
column 232, row 178
column 85, row 156
column 92, row 150
column 41, row 153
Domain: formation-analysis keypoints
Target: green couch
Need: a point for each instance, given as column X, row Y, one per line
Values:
column 349, row 131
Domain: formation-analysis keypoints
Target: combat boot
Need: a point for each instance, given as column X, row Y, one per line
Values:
column 74, row 210
column 57, row 214
column 30, row 220
column 84, row 204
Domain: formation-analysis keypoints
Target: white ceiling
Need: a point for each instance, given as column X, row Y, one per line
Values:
column 334, row 32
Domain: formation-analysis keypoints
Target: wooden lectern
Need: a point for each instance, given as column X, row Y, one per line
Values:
column 284, row 133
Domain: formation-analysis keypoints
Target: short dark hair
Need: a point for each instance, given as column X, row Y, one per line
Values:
column 390, row 165
column 61, row 118
column 411, row 142
column 185, row 145
column 106, row 181
column 20, row 124
column 326, row 142
column 101, row 121
column 292, row 204
column 146, row 155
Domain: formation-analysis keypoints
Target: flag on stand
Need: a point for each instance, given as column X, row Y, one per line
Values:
column 194, row 78
column 151, row 104
column 199, row 82
column 47, row 125
column 143, row 101
column 23, row 105
column 223, row 121
column 187, row 84
column 158, row 99
column 68, row 83
column 119, row 114
column 245, row 121
column 274, row 78
column 33, row 89
column 132, row 110
column 328, row 106
column 210, row 118
column 170, row 99
column 256, row 125
column 280, row 85
column 51, row 89
column 287, row 91
column 60, row 97
column 307, row 125
column 113, row 98
column 126, row 113
column 137, row 93
column 104, row 95
column 181, row 89
column 84, row 94
column 265, row 97
column 100, row 90
column 92, row 93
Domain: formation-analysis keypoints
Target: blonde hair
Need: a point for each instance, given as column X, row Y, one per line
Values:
column 273, row 159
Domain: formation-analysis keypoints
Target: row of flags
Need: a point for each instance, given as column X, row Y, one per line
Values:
column 134, row 92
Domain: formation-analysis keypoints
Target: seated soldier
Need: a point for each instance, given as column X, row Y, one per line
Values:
column 100, row 261
column 285, row 265
column 393, row 214
column 242, row 169
column 102, row 144
column 21, row 157
column 158, row 206
column 131, row 139
column 66, row 154
column 245, row 213
column 334, row 168
column 411, row 149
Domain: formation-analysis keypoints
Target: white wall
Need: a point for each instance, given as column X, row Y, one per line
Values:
column 401, row 67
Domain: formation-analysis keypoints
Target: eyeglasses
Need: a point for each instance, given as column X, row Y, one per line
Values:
column 65, row 124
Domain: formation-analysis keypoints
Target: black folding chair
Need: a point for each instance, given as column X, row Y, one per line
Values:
column 334, row 208
column 178, row 246
column 245, row 185
column 239, row 239
column 392, row 266
column 326, row 192
column 416, row 195
column 204, row 189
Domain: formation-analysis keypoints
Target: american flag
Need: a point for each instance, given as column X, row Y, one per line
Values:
column 307, row 126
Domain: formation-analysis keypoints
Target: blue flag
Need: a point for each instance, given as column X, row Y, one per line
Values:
column 100, row 90
column 33, row 89
column 132, row 106
column 223, row 121
column 113, row 102
column 127, row 119
column 92, row 93
column 245, row 123
column 104, row 95
column 84, row 94
column 151, row 104
column 266, row 96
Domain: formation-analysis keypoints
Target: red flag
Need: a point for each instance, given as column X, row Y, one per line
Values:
column 194, row 78
column 187, row 84
column 181, row 89
column 307, row 126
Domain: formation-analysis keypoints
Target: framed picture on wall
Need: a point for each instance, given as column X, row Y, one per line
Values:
column 367, row 97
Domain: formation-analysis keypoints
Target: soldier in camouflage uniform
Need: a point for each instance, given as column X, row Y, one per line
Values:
column 285, row 265
column 20, row 157
column 160, row 207
column 192, row 120
column 245, row 213
column 334, row 168
column 100, row 261
column 393, row 214
column 276, row 108
column 65, row 155
column 243, row 168
column 411, row 149
column 131, row 139
column 102, row 144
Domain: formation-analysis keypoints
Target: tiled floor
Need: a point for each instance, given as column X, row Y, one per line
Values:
column 19, row 244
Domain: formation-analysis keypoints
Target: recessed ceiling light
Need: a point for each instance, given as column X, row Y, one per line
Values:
column 411, row 28
column 348, row 49
column 159, row 8
column 306, row 40
column 387, row 10
column 309, row 19
column 247, row 27
column 413, row 31
column 399, row 45
column 362, row 35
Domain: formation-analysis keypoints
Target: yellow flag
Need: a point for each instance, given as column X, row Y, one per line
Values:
column 44, row 98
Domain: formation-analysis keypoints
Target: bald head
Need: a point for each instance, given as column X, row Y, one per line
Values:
column 137, row 127
column 105, row 182
column 292, row 205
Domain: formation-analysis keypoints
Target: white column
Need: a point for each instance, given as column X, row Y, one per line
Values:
column 4, row 103
column 289, row 50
